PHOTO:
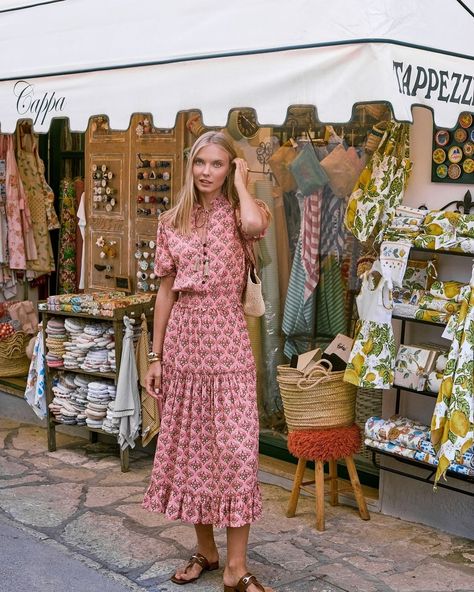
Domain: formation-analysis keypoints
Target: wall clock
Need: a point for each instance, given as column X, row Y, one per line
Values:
column 243, row 124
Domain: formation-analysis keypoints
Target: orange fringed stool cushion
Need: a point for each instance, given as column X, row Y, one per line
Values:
column 328, row 445
column 324, row 445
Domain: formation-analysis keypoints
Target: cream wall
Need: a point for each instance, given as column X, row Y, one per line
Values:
column 400, row 496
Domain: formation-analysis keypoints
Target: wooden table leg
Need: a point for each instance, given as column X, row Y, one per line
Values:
column 124, row 460
column 295, row 493
column 319, row 478
column 334, row 497
column 51, row 436
column 358, row 493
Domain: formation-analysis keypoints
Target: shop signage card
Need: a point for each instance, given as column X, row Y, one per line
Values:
column 452, row 156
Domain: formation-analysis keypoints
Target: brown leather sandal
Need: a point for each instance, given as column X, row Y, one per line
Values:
column 200, row 560
column 244, row 583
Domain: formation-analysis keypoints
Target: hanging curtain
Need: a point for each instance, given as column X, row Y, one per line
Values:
column 452, row 424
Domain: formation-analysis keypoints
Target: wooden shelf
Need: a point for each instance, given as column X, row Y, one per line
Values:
column 109, row 375
column 132, row 311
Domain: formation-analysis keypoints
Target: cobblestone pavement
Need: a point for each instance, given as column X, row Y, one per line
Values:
column 77, row 498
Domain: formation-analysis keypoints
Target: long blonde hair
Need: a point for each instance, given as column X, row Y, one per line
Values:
column 179, row 216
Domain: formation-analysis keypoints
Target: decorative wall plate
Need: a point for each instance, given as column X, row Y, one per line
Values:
column 454, row 171
column 455, row 154
column 460, row 135
column 442, row 137
column 439, row 155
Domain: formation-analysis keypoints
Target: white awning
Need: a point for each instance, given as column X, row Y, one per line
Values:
column 78, row 58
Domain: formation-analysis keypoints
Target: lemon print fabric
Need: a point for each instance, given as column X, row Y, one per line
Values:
column 372, row 360
column 452, row 426
column 380, row 187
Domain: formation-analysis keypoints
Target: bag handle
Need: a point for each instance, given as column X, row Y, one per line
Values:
column 318, row 373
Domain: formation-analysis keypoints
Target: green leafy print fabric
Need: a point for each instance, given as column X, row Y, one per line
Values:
column 372, row 360
column 452, row 427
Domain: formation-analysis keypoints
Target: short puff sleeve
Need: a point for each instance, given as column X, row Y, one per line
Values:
column 164, row 262
column 266, row 211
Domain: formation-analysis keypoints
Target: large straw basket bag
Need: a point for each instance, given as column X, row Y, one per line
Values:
column 318, row 399
column 13, row 358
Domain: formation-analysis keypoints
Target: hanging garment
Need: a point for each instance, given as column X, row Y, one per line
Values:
column 271, row 320
column 372, row 359
column 293, row 220
column 330, row 302
column 35, row 393
column 283, row 246
column 79, row 190
column 127, row 400
column 299, row 314
column 67, row 272
column 379, row 190
column 150, row 407
column 333, row 233
column 81, row 224
column 452, row 431
column 311, row 229
column 39, row 198
column 18, row 219
column 206, row 463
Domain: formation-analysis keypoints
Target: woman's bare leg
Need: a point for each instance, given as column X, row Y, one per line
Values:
column 206, row 545
column 236, row 564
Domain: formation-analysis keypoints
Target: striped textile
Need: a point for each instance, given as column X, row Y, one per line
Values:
column 311, row 229
column 330, row 301
column 298, row 316
column 332, row 224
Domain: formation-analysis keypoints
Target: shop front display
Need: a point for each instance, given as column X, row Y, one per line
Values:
column 336, row 191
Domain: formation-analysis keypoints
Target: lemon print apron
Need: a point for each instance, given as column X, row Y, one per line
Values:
column 372, row 359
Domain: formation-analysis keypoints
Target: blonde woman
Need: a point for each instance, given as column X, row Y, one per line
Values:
column 202, row 370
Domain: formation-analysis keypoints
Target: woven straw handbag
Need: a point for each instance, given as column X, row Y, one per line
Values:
column 13, row 358
column 254, row 305
column 316, row 400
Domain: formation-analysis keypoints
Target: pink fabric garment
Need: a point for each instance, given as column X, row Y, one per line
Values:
column 206, row 462
column 21, row 242
column 311, row 229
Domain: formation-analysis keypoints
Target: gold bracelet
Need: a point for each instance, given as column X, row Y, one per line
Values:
column 155, row 356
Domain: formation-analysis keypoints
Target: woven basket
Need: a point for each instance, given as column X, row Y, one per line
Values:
column 13, row 358
column 319, row 399
column 375, row 136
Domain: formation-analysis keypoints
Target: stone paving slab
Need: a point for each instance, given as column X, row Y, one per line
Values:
column 78, row 498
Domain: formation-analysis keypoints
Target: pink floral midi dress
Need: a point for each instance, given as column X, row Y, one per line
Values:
column 206, row 461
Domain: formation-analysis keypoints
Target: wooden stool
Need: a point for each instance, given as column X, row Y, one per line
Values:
column 325, row 446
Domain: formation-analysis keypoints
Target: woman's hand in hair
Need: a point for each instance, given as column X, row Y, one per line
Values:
column 241, row 173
